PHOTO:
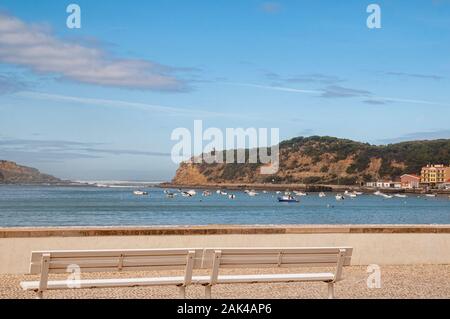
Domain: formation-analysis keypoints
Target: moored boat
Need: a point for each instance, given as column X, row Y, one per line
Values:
column 287, row 199
column 140, row 193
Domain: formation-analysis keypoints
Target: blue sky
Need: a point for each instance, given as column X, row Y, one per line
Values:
column 101, row 102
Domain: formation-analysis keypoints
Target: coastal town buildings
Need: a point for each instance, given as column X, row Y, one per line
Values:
column 384, row 184
column 410, row 181
column 434, row 175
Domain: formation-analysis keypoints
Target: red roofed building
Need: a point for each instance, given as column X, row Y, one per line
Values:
column 410, row 181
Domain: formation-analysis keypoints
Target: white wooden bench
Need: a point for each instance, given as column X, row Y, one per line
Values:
column 44, row 263
column 255, row 258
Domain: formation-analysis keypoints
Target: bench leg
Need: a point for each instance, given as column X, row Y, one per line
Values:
column 182, row 292
column 331, row 290
column 208, row 292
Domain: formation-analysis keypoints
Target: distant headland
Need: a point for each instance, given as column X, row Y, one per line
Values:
column 12, row 173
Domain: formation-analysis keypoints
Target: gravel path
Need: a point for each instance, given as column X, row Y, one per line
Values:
column 428, row 281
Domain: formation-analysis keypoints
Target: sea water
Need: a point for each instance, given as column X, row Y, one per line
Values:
column 91, row 206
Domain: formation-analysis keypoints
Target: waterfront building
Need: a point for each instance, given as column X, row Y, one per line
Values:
column 433, row 175
column 410, row 181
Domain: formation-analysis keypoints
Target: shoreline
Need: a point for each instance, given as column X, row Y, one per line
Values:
column 299, row 187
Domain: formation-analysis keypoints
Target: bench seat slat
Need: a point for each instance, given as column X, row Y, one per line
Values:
column 274, row 278
column 161, row 281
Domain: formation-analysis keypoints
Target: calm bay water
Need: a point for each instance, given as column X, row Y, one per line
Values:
column 89, row 206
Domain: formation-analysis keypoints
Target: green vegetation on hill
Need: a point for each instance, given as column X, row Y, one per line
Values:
column 326, row 160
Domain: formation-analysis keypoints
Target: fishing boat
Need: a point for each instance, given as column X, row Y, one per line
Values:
column 430, row 195
column 358, row 193
column 400, row 195
column 288, row 199
column 140, row 193
column 322, row 194
column 387, row 196
column 223, row 193
column 340, row 197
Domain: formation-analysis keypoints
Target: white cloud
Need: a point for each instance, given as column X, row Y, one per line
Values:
column 37, row 49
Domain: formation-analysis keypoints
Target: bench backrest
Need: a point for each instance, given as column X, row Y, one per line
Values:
column 47, row 262
column 277, row 257
column 114, row 260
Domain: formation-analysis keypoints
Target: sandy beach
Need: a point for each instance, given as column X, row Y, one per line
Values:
column 419, row 281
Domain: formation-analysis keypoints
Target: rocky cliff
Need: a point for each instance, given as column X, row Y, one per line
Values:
column 324, row 160
column 11, row 173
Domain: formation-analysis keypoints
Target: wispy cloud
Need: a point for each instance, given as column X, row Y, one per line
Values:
column 304, row 78
column 417, row 75
column 60, row 150
column 430, row 135
column 335, row 91
column 271, row 7
column 37, row 49
column 10, row 83
column 174, row 111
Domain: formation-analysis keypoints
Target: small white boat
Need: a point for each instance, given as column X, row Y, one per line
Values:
column 352, row 195
column 358, row 193
column 300, row 193
column 252, row 193
column 387, row 196
column 278, row 192
column 264, row 192
column 340, row 197
column 171, row 195
column 192, row 192
column 206, row 193
column 430, row 195
column 231, row 196
column 322, row 194
column 400, row 195
column 218, row 191
column 223, row 193
column 186, row 194
column 140, row 193
column 287, row 199
column 378, row 193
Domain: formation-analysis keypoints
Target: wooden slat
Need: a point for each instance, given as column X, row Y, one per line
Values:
column 256, row 266
column 294, row 250
column 36, row 255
